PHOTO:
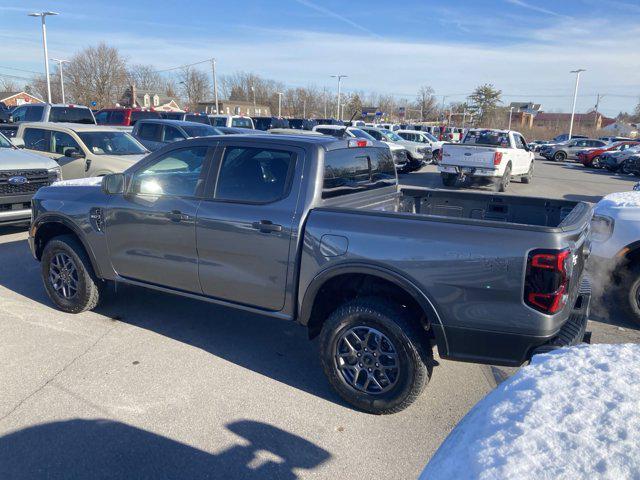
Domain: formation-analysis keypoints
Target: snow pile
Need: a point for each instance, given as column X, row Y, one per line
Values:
column 572, row 414
column 621, row 200
column 79, row 182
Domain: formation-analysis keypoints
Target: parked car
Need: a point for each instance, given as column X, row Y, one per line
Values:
column 615, row 139
column 266, row 123
column 632, row 165
column 53, row 112
column 9, row 130
column 615, row 238
column 21, row 175
column 238, row 131
column 156, row 133
column 231, row 121
column 496, row 156
column 563, row 137
column 615, row 161
column 302, row 123
column 329, row 121
column 342, row 131
column 291, row 131
column 535, row 145
column 568, row 150
column 591, row 156
column 314, row 229
column 399, row 151
column 187, row 117
column 418, row 153
column 5, row 114
column 82, row 150
column 425, row 138
column 126, row 117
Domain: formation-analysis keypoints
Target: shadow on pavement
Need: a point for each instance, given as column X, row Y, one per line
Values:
column 275, row 348
column 104, row 449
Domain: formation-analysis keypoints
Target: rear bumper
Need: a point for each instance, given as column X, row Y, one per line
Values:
column 509, row 349
column 469, row 171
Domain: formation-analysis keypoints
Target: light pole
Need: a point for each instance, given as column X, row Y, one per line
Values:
column 60, row 62
column 575, row 97
column 279, row 104
column 510, row 114
column 215, row 83
column 42, row 16
column 339, row 77
column 253, row 90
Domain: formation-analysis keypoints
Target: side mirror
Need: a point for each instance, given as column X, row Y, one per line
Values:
column 113, row 184
column 17, row 142
column 74, row 153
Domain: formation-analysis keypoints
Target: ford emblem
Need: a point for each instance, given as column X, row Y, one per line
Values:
column 467, row 154
column 17, row 180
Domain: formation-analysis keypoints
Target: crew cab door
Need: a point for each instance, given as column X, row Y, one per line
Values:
column 150, row 229
column 522, row 156
column 244, row 226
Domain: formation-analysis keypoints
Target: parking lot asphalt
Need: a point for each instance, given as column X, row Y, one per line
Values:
column 157, row 386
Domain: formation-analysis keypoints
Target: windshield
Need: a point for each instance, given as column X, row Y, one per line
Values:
column 487, row 137
column 4, row 143
column 394, row 137
column 361, row 134
column 430, row 137
column 111, row 143
column 201, row 131
column 71, row 115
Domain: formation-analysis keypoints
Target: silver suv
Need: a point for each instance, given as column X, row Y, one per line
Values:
column 53, row 112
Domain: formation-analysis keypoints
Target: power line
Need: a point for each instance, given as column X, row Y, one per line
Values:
column 184, row 66
column 21, row 70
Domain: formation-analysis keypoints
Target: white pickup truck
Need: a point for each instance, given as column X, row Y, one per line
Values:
column 491, row 155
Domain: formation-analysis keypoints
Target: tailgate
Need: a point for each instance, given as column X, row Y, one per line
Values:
column 468, row 156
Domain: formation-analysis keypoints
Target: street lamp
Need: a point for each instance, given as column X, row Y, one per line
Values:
column 279, row 104
column 42, row 16
column 339, row 77
column 575, row 97
column 510, row 114
column 60, row 62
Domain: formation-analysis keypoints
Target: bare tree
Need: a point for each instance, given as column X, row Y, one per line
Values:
column 145, row 77
column 426, row 102
column 195, row 86
column 96, row 74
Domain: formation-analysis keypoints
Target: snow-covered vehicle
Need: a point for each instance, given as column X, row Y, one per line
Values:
column 486, row 154
column 615, row 240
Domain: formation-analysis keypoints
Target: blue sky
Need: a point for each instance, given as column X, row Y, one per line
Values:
column 526, row 48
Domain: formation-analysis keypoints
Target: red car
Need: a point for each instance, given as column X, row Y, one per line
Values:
column 123, row 116
column 591, row 157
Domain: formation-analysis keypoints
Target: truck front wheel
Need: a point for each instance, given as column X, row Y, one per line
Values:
column 449, row 179
column 374, row 356
column 68, row 276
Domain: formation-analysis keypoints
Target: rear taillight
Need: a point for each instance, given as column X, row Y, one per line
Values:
column 547, row 280
column 497, row 158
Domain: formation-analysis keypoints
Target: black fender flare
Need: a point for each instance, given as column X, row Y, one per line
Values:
column 384, row 273
column 57, row 218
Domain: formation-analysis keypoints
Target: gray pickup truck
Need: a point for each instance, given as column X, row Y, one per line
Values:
column 316, row 229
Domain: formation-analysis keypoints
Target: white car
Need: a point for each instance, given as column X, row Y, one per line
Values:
column 231, row 121
column 423, row 137
column 615, row 248
column 491, row 155
column 419, row 154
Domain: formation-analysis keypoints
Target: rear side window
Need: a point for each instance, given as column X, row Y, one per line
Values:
column 219, row 122
column 36, row 139
column 254, row 175
column 116, row 117
column 334, row 132
column 171, row 134
column 102, row 117
column 198, row 118
column 241, row 122
column 148, row 131
column 34, row 113
column 71, row 114
column 135, row 116
column 356, row 170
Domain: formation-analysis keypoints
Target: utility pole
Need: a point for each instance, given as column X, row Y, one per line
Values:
column 575, row 97
column 42, row 16
column 510, row 114
column 60, row 62
column 464, row 117
column 215, row 83
column 324, row 96
column 339, row 77
column 279, row 104
column 595, row 121
column 442, row 109
column 304, row 108
column 253, row 90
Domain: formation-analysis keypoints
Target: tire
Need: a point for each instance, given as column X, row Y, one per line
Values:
column 65, row 257
column 449, row 179
column 437, row 156
column 629, row 293
column 624, row 169
column 503, row 183
column 559, row 157
column 380, row 318
column 595, row 162
column 529, row 176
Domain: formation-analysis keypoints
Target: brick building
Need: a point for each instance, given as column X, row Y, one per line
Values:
column 12, row 99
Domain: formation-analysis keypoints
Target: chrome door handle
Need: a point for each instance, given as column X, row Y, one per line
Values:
column 177, row 216
column 266, row 226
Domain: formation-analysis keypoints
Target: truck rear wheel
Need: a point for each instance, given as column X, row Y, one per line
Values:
column 449, row 179
column 629, row 293
column 503, row 183
column 68, row 276
column 374, row 356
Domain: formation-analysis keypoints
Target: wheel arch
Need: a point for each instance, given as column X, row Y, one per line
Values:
column 312, row 315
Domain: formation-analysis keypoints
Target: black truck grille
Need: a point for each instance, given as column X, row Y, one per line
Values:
column 34, row 180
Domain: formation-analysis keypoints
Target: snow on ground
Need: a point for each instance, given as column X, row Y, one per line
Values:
column 621, row 200
column 572, row 414
column 79, row 182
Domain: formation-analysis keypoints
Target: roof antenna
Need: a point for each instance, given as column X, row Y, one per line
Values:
column 344, row 132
